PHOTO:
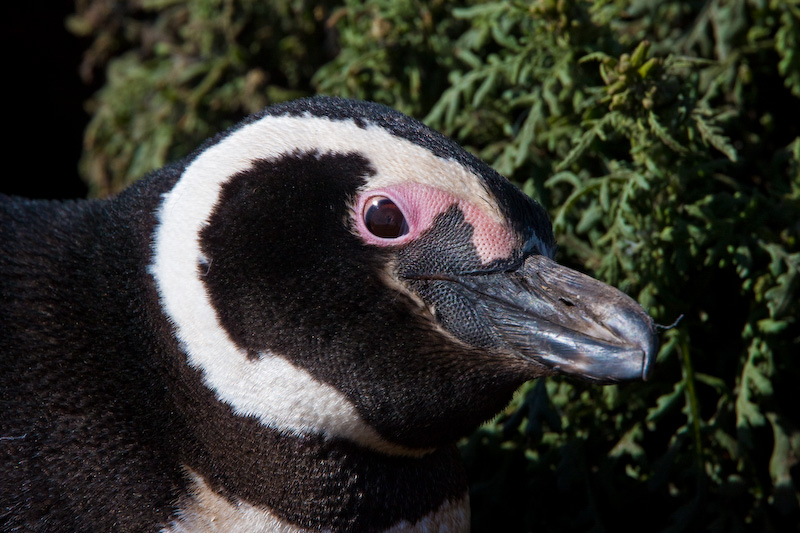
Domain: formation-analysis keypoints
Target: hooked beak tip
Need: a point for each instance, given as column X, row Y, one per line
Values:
column 650, row 352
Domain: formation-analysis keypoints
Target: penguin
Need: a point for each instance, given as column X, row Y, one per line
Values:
column 286, row 331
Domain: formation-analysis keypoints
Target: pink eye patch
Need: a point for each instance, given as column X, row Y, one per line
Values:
column 398, row 214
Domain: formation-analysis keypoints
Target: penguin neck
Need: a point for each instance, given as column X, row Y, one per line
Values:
column 315, row 482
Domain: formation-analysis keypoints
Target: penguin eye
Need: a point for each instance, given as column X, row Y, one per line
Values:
column 384, row 219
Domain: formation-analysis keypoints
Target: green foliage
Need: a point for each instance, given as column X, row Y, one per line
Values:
column 396, row 52
column 179, row 71
column 664, row 139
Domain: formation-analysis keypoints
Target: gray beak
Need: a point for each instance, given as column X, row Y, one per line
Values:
column 565, row 320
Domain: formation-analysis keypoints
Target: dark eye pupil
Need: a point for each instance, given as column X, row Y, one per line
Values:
column 384, row 219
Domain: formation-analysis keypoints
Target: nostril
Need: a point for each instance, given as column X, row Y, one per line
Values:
column 566, row 301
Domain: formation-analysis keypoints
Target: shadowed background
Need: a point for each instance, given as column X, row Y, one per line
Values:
column 44, row 100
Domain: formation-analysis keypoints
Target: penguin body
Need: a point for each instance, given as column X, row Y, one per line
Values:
column 286, row 331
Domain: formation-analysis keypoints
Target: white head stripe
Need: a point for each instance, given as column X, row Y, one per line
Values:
column 278, row 393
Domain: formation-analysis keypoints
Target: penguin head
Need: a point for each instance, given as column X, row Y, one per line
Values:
column 335, row 267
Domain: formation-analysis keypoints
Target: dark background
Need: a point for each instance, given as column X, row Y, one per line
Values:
column 44, row 100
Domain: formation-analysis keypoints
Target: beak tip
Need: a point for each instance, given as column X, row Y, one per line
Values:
column 647, row 369
column 638, row 361
column 649, row 351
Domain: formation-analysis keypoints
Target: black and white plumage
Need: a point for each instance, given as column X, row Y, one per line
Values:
column 288, row 330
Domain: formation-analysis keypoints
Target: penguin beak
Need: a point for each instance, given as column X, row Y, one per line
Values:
column 566, row 321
